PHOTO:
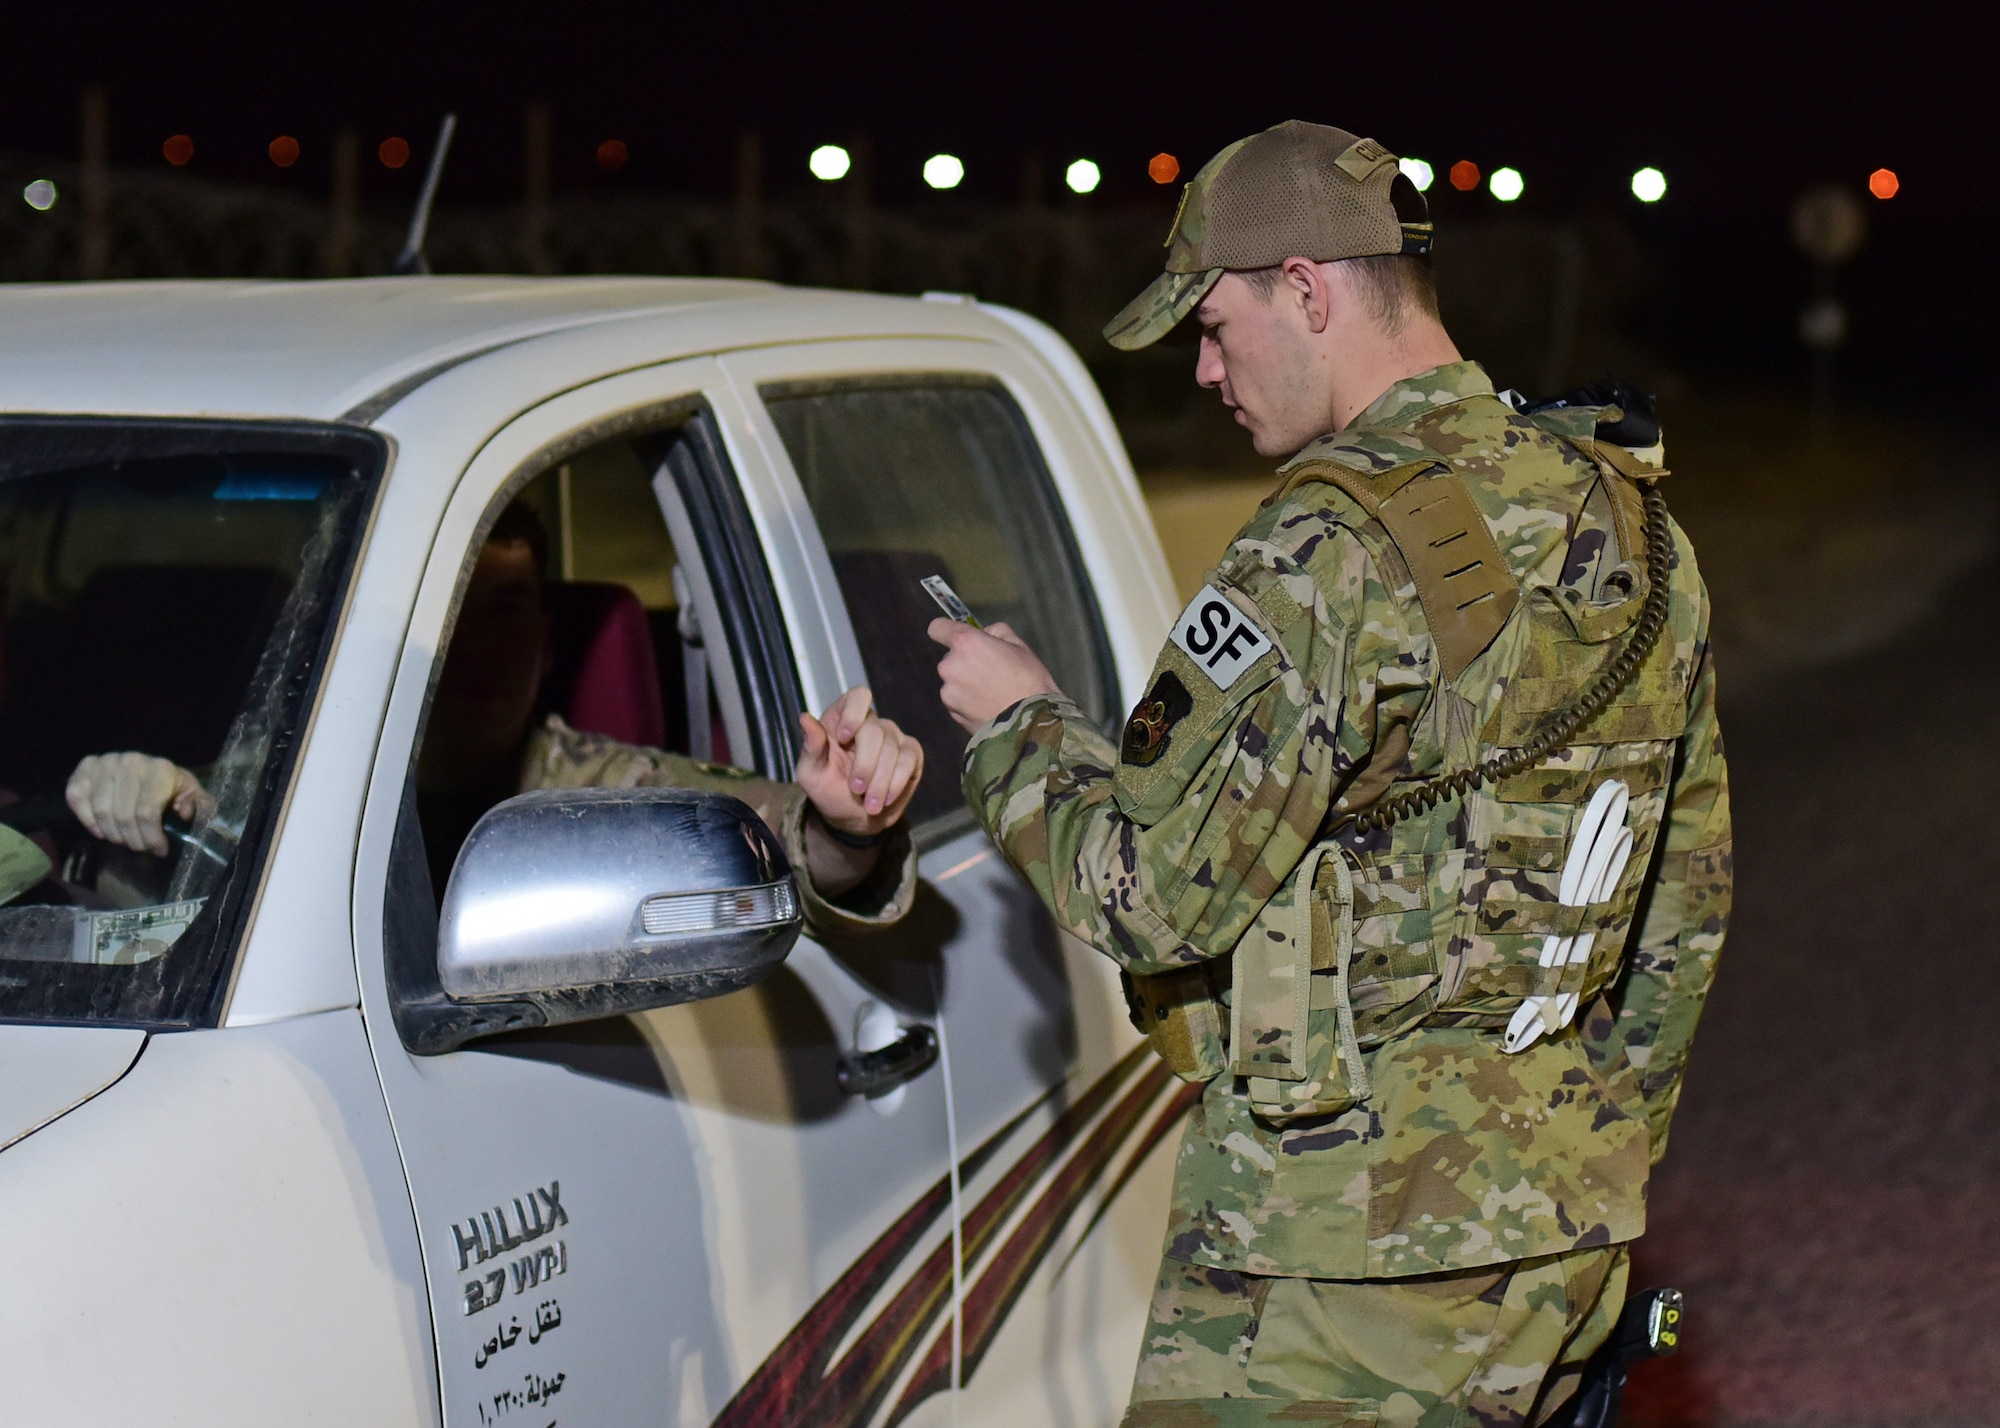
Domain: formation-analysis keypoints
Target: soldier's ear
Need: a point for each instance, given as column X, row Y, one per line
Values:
column 1309, row 285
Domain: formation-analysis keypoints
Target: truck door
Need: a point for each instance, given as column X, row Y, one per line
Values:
column 676, row 1216
column 933, row 458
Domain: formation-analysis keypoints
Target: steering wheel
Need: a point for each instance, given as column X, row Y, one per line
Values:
column 51, row 813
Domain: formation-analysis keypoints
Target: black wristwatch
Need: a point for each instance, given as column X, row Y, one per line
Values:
column 860, row 841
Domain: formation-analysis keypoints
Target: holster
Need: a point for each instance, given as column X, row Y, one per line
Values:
column 1182, row 1015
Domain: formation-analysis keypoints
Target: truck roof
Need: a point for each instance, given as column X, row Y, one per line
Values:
column 349, row 348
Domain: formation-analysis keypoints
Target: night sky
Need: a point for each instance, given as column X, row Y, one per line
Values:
column 1743, row 106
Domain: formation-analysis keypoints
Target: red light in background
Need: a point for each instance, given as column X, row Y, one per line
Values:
column 393, row 153
column 284, row 151
column 612, row 154
column 1465, row 175
column 1883, row 183
column 177, row 150
column 1163, row 168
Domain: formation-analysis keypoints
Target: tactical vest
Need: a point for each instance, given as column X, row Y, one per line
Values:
column 1432, row 903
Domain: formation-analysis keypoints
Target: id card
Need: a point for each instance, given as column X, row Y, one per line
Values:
column 939, row 589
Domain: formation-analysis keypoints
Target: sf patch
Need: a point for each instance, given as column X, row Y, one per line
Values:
column 1152, row 722
column 1222, row 641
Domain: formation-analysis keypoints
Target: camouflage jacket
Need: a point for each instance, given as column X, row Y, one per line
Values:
column 1190, row 845
column 558, row 756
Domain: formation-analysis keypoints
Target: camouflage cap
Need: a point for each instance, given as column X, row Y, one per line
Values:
column 1298, row 190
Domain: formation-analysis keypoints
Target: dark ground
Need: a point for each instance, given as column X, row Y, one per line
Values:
column 1828, row 1201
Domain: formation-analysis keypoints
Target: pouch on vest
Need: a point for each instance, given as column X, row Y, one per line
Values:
column 1292, row 1033
column 1182, row 1015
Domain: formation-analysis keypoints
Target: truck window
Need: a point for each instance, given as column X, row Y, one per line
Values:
column 571, row 610
column 168, row 595
column 572, row 620
column 934, row 474
column 578, row 614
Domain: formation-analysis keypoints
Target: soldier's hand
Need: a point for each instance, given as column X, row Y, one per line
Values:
column 121, row 798
column 986, row 671
column 858, row 769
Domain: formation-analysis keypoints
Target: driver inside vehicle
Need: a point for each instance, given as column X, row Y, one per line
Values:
column 841, row 822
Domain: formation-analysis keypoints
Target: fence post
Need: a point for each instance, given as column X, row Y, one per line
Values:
column 96, row 257
column 1032, row 253
column 1567, row 296
column 750, row 204
column 343, row 231
column 860, row 215
column 535, row 209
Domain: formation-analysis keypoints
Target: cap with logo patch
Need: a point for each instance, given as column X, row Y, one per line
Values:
column 1298, row 190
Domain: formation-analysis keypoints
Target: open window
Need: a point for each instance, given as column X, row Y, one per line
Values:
column 615, row 588
column 939, row 474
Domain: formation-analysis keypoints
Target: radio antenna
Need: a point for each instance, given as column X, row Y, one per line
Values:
column 412, row 259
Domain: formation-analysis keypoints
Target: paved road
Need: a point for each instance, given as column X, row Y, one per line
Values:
column 1831, row 1197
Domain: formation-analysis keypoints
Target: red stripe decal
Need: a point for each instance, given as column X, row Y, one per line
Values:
column 796, row 1369
column 793, row 1386
column 998, row 1289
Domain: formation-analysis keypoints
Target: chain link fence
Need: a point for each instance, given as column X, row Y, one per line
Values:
column 1542, row 304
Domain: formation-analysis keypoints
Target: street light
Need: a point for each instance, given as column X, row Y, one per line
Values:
column 1649, row 185
column 1506, row 184
column 40, row 195
column 829, row 162
column 944, row 170
column 1082, row 176
column 1417, row 172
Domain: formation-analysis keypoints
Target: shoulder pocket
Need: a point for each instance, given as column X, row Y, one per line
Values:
column 1217, row 660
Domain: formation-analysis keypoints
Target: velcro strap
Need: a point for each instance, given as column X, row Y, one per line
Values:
column 1403, row 887
column 1551, row 782
column 1367, row 996
column 1537, row 918
column 1520, row 980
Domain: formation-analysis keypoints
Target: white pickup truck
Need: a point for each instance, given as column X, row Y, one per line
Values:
column 276, row 1147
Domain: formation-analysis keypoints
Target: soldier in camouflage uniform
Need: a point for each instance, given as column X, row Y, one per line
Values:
column 1416, row 852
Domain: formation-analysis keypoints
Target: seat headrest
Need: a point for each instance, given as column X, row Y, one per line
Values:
column 605, row 678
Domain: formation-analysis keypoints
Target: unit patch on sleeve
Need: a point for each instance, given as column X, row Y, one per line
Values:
column 1152, row 722
column 1222, row 641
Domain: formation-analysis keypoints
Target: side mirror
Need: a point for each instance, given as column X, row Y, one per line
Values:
column 569, row 904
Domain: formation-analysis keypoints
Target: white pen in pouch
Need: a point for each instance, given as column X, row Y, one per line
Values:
column 939, row 589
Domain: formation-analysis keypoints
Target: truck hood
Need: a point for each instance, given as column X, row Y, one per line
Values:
column 47, row 1071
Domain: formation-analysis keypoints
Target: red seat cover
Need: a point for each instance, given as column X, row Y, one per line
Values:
column 605, row 678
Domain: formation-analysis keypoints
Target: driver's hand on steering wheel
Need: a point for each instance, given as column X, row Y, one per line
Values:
column 121, row 798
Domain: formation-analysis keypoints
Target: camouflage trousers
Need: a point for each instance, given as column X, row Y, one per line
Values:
column 1491, row 1348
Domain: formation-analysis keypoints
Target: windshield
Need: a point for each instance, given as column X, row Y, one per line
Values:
column 167, row 593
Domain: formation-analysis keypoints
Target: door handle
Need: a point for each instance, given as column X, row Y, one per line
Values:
column 874, row 1073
